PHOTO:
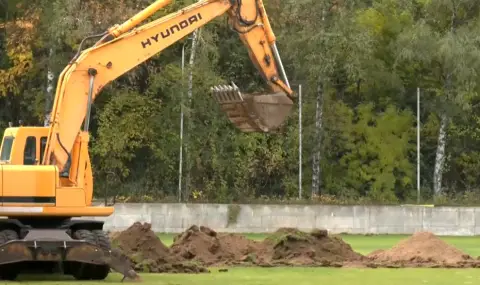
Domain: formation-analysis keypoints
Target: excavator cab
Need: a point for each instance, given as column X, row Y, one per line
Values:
column 23, row 145
column 253, row 112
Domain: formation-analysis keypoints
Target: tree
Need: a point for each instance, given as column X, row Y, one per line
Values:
column 441, row 42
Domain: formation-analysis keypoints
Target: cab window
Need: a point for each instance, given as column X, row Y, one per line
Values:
column 6, row 148
column 30, row 151
column 43, row 144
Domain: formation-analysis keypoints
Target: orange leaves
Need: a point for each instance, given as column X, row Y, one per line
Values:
column 20, row 36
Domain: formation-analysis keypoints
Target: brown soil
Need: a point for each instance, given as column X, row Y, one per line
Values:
column 147, row 252
column 423, row 249
column 294, row 247
column 204, row 245
column 287, row 246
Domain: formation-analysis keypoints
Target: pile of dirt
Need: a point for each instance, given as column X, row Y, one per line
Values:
column 147, row 252
column 422, row 249
column 204, row 245
column 291, row 246
column 287, row 246
column 284, row 247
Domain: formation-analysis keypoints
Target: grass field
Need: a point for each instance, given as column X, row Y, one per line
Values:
column 303, row 276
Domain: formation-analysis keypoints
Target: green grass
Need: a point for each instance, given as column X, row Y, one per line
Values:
column 304, row 276
column 300, row 276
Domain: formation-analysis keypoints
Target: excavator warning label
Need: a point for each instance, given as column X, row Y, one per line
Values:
column 171, row 30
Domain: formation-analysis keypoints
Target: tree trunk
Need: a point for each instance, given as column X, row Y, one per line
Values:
column 316, row 175
column 50, row 88
column 442, row 141
column 188, row 113
column 442, row 134
column 440, row 156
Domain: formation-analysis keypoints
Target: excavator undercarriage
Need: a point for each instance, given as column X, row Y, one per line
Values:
column 75, row 247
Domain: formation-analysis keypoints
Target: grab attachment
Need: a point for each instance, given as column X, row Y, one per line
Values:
column 253, row 112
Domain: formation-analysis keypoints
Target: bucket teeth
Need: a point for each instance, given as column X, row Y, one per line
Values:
column 121, row 263
column 227, row 94
column 253, row 113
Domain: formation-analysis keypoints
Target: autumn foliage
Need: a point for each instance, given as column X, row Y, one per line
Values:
column 359, row 63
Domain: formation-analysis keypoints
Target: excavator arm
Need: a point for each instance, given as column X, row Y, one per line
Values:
column 123, row 47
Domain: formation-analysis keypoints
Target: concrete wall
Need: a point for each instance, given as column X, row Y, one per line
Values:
column 266, row 218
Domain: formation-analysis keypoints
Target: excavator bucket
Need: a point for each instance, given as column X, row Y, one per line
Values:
column 253, row 112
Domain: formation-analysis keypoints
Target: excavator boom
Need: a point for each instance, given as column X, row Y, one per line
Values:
column 120, row 51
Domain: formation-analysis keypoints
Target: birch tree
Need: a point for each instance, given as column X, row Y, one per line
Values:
column 332, row 54
column 444, row 41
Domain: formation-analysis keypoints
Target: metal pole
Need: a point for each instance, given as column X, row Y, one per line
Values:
column 180, row 162
column 300, row 141
column 276, row 54
column 418, row 145
column 188, row 161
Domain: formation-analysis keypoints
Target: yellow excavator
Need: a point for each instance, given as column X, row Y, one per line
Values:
column 46, row 181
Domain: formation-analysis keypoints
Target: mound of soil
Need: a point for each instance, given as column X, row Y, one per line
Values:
column 147, row 252
column 204, row 245
column 287, row 246
column 284, row 247
column 293, row 247
column 423, row 249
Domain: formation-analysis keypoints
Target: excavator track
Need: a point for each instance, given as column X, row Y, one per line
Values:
column 86, row 254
